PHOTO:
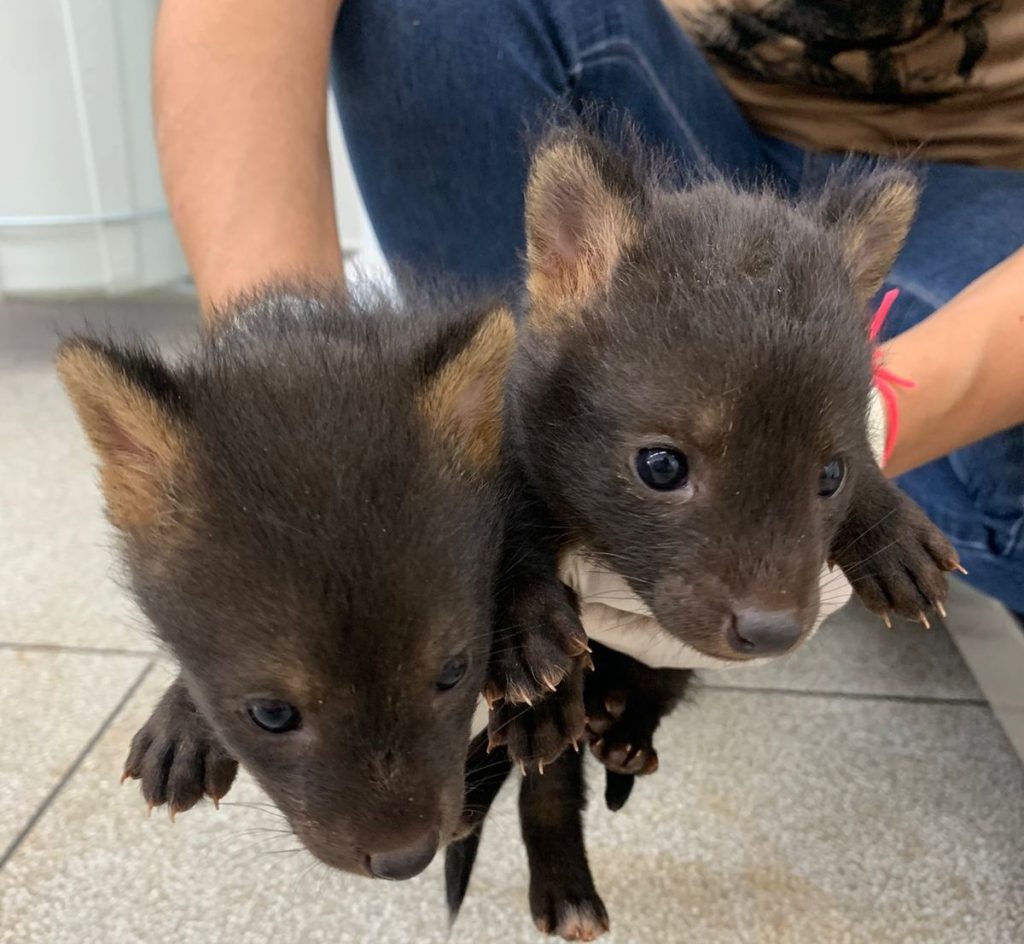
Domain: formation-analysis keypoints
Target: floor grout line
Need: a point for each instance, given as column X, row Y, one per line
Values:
column 72, row 770
column 848, row 696
column 80, row 650
column 157, row 656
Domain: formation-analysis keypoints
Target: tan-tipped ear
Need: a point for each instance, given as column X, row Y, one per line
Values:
column 463, row 400
column 579, row 221
column 874, row 227
column 117, row 397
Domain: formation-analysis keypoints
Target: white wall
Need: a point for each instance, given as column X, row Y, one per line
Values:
column 81, row 205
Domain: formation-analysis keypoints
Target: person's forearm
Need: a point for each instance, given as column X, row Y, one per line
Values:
column 967, row 361
column 240, row 107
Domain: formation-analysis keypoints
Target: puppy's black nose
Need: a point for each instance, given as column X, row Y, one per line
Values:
column 765, row 632
column 405, row 862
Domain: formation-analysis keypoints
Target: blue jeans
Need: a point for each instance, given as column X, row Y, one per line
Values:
column 435, row 97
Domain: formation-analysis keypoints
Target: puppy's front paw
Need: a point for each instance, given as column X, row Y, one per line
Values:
column 177, row 758
column 537, row 736
column 897, row 563
column 538, row 640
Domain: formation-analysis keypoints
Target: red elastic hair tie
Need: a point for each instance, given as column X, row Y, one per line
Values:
column 885, row 380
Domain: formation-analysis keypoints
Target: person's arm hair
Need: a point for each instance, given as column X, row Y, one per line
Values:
column 967, row 361
column 240, row 108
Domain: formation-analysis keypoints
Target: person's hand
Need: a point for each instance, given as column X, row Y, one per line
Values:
column 965, row 361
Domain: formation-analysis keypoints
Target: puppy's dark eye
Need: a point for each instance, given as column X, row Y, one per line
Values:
column 451, row 673
column 662, row 469
column 277, row 717
column 831, row 478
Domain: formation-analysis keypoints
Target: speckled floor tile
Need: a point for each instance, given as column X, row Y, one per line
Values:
column 59, row 583
column 992, row 644
column 855, row 653
column 53, row 704
column 775, row 819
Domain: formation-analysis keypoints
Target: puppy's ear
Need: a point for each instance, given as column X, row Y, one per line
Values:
column 131, row 410
column 872, row 215
column 581, row 215
column 463, row 398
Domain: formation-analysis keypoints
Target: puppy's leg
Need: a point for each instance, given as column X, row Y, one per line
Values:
column 563, row 899
column 539, row 645
column 536, row 737
column 894, row 557
column 625, row 702
column 538, row 636
column 177, row 757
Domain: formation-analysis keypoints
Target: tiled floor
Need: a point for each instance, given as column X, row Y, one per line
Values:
column 861, row 791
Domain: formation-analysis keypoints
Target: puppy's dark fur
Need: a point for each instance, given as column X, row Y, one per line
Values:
column 732, row 327
column 310, row 505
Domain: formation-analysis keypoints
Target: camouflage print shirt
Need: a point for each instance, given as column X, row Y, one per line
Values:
column 933, row 79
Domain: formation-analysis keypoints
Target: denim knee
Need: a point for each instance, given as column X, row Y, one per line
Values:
column 433, row 96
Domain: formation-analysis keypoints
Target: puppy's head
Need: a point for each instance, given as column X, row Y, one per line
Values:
column 692, row 387
column 309, row 508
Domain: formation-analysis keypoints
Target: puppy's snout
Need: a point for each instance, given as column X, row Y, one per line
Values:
column 765, row 632
column 405, row 861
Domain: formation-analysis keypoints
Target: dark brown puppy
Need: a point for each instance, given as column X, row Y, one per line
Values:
column 310, row 507
column 689, row 404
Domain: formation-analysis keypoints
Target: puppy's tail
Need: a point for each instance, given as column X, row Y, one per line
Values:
column 485, row 774
column 458, row 866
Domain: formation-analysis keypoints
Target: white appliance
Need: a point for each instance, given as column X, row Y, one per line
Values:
column 82, row 210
